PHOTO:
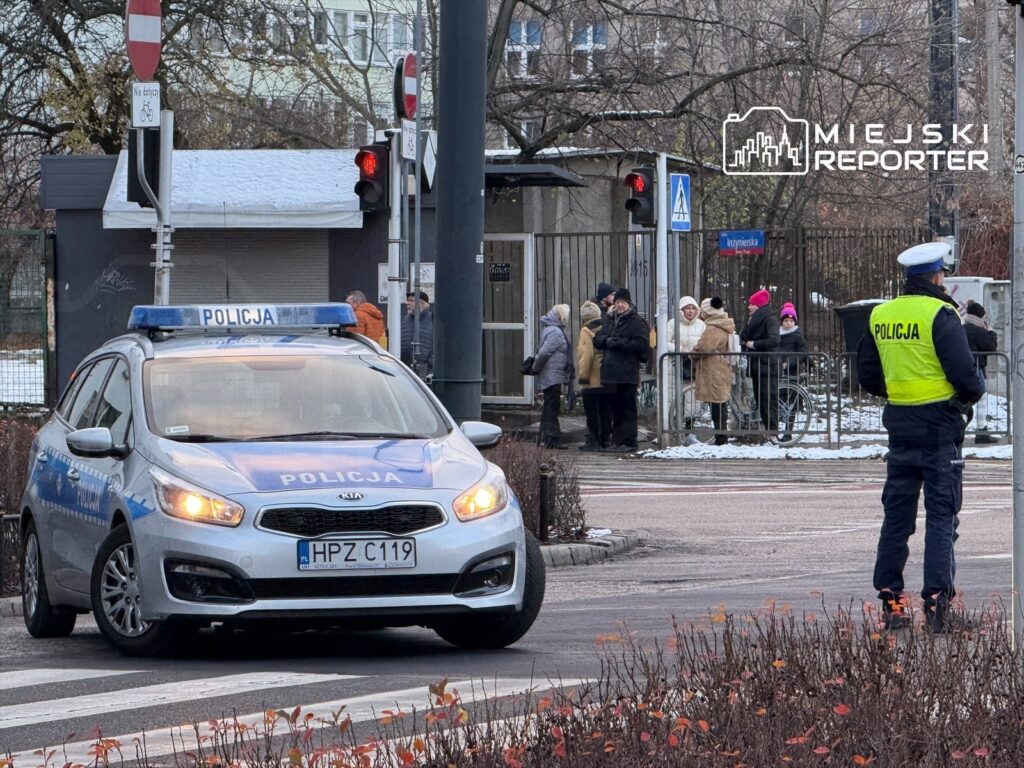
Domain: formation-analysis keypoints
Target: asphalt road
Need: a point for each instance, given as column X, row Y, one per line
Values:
column 738, row 534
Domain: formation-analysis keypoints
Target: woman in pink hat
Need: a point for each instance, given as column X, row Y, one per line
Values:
column 791, row 340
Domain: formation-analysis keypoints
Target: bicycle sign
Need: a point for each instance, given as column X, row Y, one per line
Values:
column 145, row 105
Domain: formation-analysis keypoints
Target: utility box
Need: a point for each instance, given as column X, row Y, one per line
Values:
column 854, row 318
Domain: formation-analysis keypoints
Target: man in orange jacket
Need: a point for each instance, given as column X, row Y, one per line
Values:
column 370, row 320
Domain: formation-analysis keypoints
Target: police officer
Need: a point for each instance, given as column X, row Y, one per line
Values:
column 915, row 354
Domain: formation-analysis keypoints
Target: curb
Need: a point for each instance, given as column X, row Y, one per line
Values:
column 591, row 551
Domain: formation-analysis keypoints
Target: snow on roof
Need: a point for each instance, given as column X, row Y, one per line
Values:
column 562, row 152
column 248, row 189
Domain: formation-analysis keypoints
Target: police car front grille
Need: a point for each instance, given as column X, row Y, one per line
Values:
column 353, row 586
column 310, row 522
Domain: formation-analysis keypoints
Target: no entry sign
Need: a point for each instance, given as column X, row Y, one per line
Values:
column 143, row 31
column 405, row 87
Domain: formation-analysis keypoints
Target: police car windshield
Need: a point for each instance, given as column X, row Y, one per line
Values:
column 293, row 397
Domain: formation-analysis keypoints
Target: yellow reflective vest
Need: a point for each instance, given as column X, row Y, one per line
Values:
column 902, row 330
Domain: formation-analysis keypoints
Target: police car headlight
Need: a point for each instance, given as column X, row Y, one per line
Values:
column 488, row 496
column 179, row 499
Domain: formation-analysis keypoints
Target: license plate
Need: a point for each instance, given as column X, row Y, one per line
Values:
column 342, row 554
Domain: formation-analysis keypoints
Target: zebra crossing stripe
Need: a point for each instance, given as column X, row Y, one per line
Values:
column 98, row 704
column 166, row 740
column 26, row 678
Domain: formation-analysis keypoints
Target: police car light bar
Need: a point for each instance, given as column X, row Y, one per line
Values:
column 249, row 316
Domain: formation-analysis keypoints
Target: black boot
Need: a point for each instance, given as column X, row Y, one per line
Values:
column 940, row 617
column 895, row 613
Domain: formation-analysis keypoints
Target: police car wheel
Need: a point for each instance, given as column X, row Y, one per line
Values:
column 116, row 602
column 41, row 618
column 487, row 631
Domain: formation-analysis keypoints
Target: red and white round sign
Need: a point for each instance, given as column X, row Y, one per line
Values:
column 144, row 33
column 405, row 87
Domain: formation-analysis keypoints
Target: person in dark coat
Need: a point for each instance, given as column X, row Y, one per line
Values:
column 623, row 339
column 553, row 366
column 425, row 353
column 604, row 298
column 792, row 340
column 980, row 338
column 761, row 334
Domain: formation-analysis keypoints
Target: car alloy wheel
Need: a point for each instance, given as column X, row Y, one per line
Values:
column 119, row 592
column 30, row 576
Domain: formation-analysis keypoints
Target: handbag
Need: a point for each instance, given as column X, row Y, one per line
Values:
column 734, row 349
column 526, row 367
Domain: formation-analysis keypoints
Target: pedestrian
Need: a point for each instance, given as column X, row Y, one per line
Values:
column 425, row 353
column 624, row 340
column 588, row 364
column 915, row 354
column 761, row 335
column 553, row 366
column 369, row 319
column 713, row 371
column 791, row 341
column 604, row 297
column 683, row 333
column 980, row 338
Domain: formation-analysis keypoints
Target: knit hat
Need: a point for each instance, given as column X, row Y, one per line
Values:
column 760, row 298
column 688, row 301
column 623, row 293
column 603, row 289
column 788, row 310
column 974, row 308
column 712, row 306
column 589, row 311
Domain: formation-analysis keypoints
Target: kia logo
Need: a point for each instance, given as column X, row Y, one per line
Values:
column 351, row 496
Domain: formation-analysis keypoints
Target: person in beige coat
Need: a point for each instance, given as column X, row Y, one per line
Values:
column 588, row 363
column 714, row 373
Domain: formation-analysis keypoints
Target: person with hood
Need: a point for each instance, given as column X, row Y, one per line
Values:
column 713, row 373
column 588, row 364
column 980, row 338
column 369, row 319
column 792, row 341
column 553, row 367
column 624, row 340
column 683, row 333
column 604, row 298
column 761, row 334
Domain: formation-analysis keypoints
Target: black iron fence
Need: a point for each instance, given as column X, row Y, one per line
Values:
column 24, row 330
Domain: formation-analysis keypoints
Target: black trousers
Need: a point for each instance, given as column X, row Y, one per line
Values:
column 939, row 471
column 623, row 406
column 765, row 379
column 550, row 433
column 720, row 418
column 597, row 407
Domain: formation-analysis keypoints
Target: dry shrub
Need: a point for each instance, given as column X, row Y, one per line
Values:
column 521, row 460
column 16, row 435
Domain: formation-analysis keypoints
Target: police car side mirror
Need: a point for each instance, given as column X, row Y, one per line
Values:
column 94, row 442
column 481, row 434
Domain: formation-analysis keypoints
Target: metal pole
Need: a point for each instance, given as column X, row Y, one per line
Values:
column 661, row 273
column 547, row 474
column 943, row 103
column 395, row 279
column 163, row 271
column 417, row 39
column 1017, row 340
column 458, row 312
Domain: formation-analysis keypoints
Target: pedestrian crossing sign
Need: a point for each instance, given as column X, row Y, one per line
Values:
column 679, row 202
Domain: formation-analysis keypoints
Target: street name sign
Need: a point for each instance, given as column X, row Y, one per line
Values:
column 743, row 242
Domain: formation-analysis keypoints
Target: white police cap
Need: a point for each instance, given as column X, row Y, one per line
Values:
column 925, row 258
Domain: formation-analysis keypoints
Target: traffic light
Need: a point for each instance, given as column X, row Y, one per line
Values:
column 374, row 171
column 641, row 196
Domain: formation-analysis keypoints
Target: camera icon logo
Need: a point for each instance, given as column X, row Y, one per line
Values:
column 765, row 142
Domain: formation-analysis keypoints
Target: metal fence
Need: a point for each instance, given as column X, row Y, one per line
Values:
column 23, row 320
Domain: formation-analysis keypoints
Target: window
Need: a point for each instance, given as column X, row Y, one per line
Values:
column 68, row 400
column 361, row 36
column 589, row 47
column 320, row 21
column 530, row 130
column 795, row 28
column 652, row 42
column 115, row 407
column 523, row 48
column 89, row 393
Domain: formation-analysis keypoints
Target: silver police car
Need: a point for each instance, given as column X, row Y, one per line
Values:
column 247, row 463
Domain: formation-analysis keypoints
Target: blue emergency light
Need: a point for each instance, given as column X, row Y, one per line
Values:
column 247, row 316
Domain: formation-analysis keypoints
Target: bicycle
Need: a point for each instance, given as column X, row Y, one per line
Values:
column 796, row 409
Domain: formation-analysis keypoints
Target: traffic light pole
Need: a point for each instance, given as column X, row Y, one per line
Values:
column 663, row 310
column 1017, row 340
column 395, row 279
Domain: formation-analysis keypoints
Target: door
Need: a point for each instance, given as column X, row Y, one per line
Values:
column 509, row 324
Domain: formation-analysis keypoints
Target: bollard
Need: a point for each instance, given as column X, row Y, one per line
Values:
column 547, row 476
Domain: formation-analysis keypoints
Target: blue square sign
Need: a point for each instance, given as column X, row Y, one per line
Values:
column 679, row 203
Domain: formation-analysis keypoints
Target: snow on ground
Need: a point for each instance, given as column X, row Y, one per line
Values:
column 22, row 376
column 876, row 451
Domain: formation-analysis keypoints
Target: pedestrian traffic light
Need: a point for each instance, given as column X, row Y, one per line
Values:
column 374, row 170
column 641, row 196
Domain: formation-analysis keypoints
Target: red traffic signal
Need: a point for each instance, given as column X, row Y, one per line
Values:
column 374, row 169
column 641, row 196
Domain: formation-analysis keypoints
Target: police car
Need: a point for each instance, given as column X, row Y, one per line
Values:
column 238, row 464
